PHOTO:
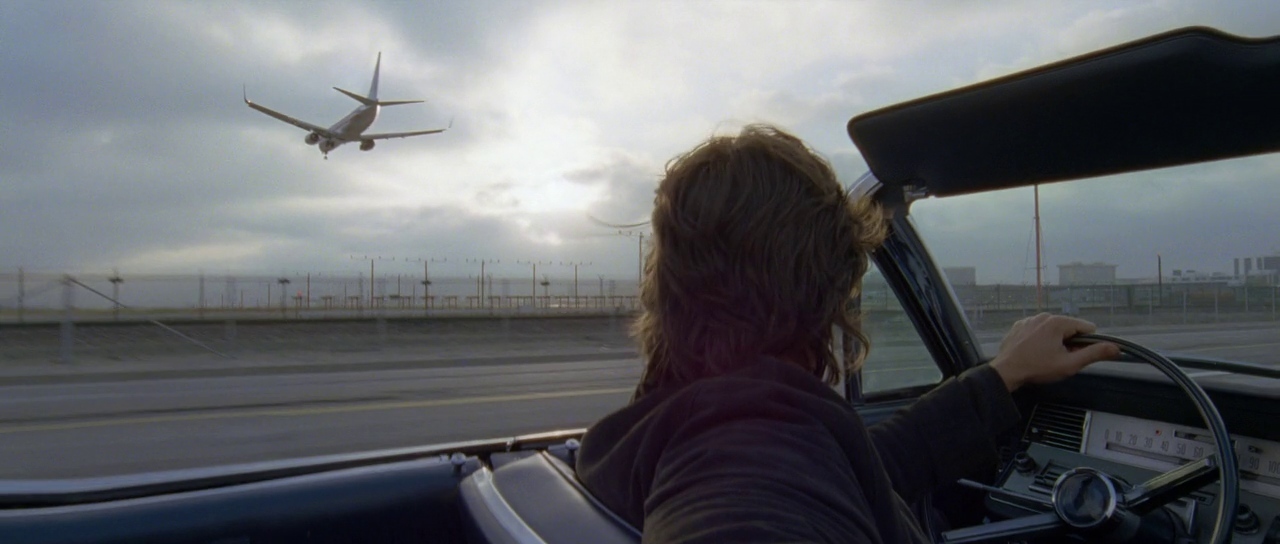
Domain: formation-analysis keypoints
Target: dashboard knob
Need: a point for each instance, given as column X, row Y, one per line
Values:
column 1246, row 522
column 1024, row 463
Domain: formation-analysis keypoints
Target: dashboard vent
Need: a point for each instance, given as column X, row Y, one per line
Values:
column 1058, row 426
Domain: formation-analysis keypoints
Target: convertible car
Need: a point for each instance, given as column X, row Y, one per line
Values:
column 1151, row 448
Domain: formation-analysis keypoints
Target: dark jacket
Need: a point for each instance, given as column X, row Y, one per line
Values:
column 771, row 454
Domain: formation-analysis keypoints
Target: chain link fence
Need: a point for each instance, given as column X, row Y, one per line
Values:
column 998, row 306
column 43, row 297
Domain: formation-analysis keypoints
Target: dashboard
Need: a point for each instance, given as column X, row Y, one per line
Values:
column 1164, row 446
column 1059, row 437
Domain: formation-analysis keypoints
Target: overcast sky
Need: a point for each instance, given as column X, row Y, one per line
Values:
column 124, row 142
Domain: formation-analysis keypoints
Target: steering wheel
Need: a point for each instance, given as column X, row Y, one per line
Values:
column 1095, row 505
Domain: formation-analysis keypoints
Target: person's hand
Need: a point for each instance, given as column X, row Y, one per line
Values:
column 1034, row 350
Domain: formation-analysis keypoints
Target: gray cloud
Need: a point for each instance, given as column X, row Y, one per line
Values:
column 123, row 140
column 628, row 184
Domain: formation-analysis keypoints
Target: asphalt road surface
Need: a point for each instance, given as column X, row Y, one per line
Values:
column 141, row 423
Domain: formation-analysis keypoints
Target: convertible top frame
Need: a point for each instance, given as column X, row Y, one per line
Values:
column 1190, row 95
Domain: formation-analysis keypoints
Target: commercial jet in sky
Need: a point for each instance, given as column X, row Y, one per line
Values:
column 351, row 128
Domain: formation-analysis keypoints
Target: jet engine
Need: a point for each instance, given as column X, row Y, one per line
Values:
column 312, row 138
column 366, row 145
column 327, row 145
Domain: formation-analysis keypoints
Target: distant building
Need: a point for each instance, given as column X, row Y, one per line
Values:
column 1254, row 267
column 1079, row 273
column 1193, row 276
column 1248, row 264
column 961, row 275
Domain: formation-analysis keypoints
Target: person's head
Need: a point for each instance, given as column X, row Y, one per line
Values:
column 757, row 250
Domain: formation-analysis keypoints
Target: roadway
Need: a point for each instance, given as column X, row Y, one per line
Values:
column 144, row 422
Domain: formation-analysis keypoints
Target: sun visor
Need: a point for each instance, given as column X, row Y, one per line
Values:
column 1186, row 96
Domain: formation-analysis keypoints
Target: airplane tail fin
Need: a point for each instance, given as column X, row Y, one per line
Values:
column 372, row 98
column 373, row 87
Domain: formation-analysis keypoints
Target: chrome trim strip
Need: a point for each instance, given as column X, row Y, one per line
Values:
column 501, row 510
column 65, row 492
column 865, row 186
column 1084, row 431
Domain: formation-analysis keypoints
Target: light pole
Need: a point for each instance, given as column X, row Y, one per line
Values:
column 115, row 280
column 372, row 279
column 639, row 253
column 426, row 277
column 230, row 291
column 1160, row 279
column 480, row 284
column 533, row 283
column 575, row 265
column 284, row 296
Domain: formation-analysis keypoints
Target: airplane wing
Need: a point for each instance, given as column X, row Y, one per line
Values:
column 292, row 121
column 386, row 135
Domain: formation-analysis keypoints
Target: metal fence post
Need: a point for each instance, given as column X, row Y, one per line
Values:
column 1022, row 303
column 68, row 326
column 22, row 294
column 284, row 297
column 1111, row 303
column 1215, row 303
column 200, row 306
column 115, row 280
column 1151, row 306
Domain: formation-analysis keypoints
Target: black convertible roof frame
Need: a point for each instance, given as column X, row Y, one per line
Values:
column 1190, row 95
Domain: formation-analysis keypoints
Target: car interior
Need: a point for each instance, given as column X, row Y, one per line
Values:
column 1145, row 449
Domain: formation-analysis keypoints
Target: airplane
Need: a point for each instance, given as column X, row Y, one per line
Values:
column 351, row 128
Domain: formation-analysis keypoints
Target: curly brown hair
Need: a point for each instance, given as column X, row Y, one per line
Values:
column 757, row 250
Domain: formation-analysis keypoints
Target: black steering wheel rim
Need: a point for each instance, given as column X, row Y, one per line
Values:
column 1144, row 497
column 1228, row 471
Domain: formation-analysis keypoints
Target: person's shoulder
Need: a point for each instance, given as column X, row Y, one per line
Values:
column 766, row 381
column 767, row 390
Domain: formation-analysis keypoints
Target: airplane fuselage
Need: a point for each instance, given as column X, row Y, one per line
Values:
column 350, row 127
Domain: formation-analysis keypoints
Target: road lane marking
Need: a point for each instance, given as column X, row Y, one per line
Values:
column 315, row 410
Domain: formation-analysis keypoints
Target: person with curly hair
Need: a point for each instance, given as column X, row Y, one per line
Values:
column 735, row 433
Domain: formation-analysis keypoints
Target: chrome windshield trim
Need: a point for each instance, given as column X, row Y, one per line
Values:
column 865, row 186
column 69, row 491
column 501, row 510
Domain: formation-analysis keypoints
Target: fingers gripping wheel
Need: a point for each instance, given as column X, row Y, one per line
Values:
column 1088, row 502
